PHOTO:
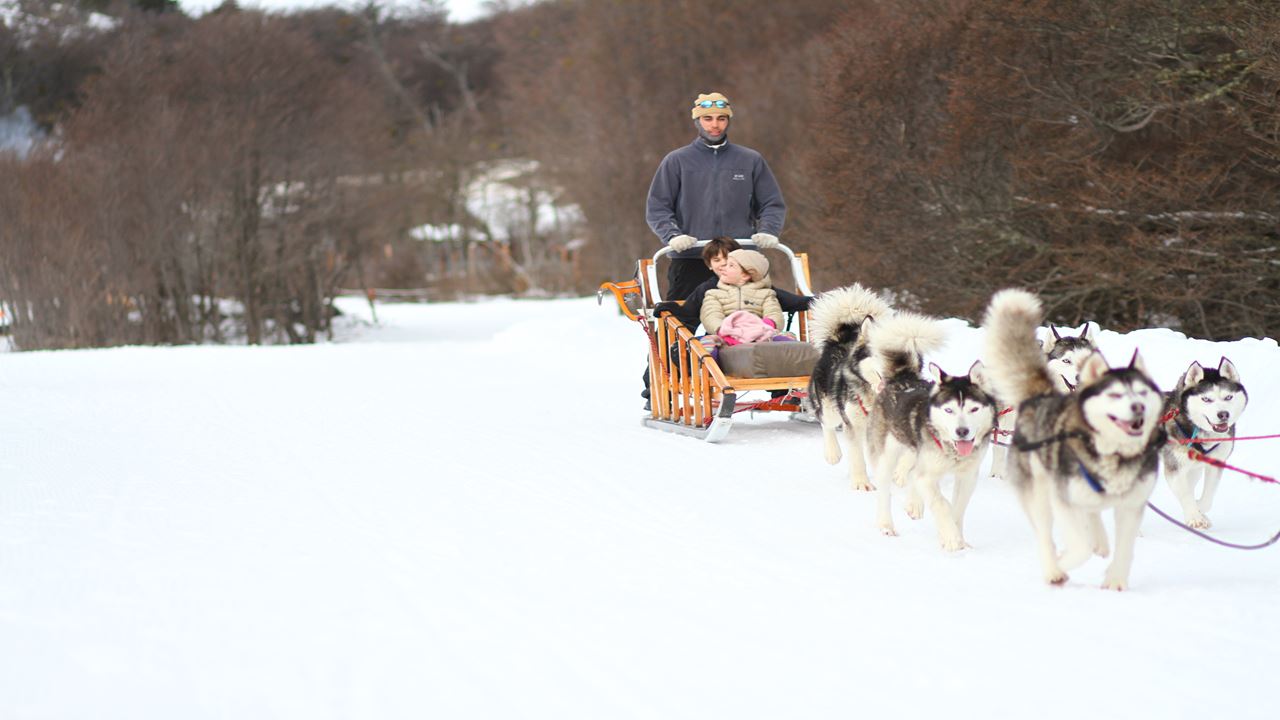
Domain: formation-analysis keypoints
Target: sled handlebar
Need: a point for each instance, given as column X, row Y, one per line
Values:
column 797, row 271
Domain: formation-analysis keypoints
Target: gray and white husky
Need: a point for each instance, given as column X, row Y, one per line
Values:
column 931, row 427
column 843, row 383
column 1205, row 408
column 1075, row 455
column 1064, row 355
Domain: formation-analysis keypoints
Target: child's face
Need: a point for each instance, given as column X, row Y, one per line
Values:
column 733, row 274
column 717, row 263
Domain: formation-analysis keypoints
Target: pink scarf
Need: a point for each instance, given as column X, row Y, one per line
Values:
column 742, row 326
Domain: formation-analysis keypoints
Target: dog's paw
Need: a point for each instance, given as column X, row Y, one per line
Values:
column 1198, row 521
column 954, row 544
column 1115, row 584
column 1056, row 577
column 887, row 530
column 915, row 508
column 831, row 454
column 863, row 486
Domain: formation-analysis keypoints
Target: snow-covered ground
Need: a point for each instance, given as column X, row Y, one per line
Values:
column 457, row 514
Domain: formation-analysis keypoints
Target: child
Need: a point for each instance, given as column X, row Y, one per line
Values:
column 716, row 255
column 744, row 285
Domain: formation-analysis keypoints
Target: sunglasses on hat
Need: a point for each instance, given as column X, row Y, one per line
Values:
column 712, row 103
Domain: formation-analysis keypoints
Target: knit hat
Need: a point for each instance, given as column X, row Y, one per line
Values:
column 755, row 264
column 714, row 108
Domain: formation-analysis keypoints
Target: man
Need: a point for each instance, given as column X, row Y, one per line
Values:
column 711, row 188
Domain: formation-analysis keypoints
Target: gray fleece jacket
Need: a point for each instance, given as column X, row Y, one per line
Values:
column 711, row 192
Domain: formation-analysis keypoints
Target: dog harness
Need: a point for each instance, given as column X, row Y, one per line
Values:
column 1093, row 482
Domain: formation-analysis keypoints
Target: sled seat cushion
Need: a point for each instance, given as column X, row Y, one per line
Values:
column 768, row 359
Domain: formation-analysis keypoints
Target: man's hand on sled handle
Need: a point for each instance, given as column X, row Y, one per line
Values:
column 680, row 243
column 765, row 241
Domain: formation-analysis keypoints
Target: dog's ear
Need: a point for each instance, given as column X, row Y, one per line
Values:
column 1047, row 341
column 978, row 374
column 1093, row 367
column 1136, row 363
column 1227, row 370
column 1193, row 375
column 935, row 373
column 868, row 324
column 1089, row 335
column 874, row 378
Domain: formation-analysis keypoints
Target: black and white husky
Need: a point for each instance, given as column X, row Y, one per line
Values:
column 1064, row 355
column 1204, row 409
column 927, row 427
column 843, row 384
column 1075, row 455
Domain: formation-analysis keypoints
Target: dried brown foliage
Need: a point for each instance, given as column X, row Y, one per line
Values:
column 1117, row 157
column 599, row 92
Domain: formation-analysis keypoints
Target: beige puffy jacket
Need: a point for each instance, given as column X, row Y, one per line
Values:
column 756, row 297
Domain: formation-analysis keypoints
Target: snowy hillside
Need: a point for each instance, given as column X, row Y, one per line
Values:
column 457, row 514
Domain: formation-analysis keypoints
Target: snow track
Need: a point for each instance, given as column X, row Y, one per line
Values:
column 457, row 514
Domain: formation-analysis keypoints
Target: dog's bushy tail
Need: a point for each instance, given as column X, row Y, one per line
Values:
column 1013, row 357
column 900, row 342
column 836, row 315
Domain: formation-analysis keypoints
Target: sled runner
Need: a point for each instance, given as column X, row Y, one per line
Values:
column 694, row 393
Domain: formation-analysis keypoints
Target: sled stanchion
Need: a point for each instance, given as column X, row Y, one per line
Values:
column 685, row 358
column 695, row 377
column 658, row 375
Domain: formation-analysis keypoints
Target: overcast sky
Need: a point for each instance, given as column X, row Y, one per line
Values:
column 459, row 10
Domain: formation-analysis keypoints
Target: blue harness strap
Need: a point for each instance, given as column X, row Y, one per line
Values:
column 1198, row 446
column 1093, row 482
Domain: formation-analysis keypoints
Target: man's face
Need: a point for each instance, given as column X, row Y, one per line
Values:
column 713, row 126
column 718, row 262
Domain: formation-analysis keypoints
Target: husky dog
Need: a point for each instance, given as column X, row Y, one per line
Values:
column 1075, row 455
column 1064, row 354
column 935, row 428
column 1203, row 410
column 843, row 383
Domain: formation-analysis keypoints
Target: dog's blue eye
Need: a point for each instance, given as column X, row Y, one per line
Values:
column 1206, row 399
column 1228, row 398
column 1066, row 361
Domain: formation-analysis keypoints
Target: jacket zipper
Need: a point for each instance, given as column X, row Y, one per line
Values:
column 716, row 189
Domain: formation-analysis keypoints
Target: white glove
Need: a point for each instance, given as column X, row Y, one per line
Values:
column 764, row 241
column 680, row 243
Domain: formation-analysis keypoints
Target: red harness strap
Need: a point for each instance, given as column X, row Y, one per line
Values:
column 1196, row 455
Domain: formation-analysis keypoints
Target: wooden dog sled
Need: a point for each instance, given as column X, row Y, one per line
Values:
column 690, row 392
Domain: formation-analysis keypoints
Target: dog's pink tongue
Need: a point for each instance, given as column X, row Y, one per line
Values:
column 964, row 447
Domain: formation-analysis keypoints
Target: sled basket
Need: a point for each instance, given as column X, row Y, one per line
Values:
column 696, row 394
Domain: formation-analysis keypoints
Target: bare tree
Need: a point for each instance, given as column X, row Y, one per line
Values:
column 1113, row 156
